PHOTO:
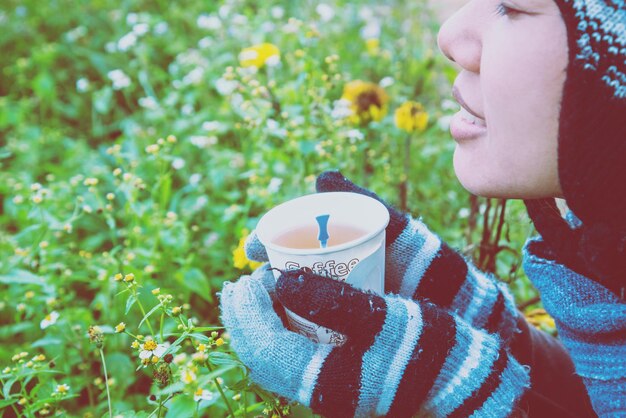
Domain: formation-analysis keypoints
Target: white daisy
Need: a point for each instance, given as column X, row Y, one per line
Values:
column 50, row 319
column 151, row 348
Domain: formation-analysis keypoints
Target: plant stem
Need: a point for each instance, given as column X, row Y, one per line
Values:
column 404, row 185
column 162, row 320
column 219, row 388
column 106, row 382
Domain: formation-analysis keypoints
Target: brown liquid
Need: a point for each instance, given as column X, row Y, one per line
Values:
column 305, row 237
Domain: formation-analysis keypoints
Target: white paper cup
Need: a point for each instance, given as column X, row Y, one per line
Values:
column 360, row 261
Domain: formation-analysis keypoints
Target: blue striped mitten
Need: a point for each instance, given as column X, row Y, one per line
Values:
column 421, row 266
column 401, row 357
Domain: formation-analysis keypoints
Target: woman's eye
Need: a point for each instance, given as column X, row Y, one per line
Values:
column 503, row 10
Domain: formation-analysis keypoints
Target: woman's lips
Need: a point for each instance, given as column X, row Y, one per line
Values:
column 466, row 124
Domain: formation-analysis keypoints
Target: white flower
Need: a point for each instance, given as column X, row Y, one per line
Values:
column 366, row 13
column 119, row 78
column 209, row 22
column 277, row 12
column 211, row 126
column 161, row 28
column 205, row 43
column 448, row 104
column 325, row 11
column 187, row 109
column 178, row 163
column 225, row 87
column 151, row 348
column 195, row 76
column 132, row 18
column 50, row 319
column 444, row 122
column 110, row 47
column 240, row 20
column 201, row 141
column 272, row 125
column 371, row 30
column 148, row 103
column 341, row 109
column 141, row 29
column 386, row 82
column 127, row 41
column 273, row 61
column 76, row 33
column 82, row 85
column 355, row 135
column 464, row 213
column 194, row 179
column 188, row 376
column 202, row 395
column 224, row 11
column 274, row 185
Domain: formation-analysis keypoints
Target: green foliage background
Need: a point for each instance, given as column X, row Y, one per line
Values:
column 90, row 185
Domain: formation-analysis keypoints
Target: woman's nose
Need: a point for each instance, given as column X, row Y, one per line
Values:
column 460, row 40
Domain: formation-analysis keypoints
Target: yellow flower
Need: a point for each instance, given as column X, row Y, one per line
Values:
column 120, row 327
column 541, row 320
column 373, row 46
column 368, row 101
column 129, row 277
column 259, row 55
column 240, row 260
column 219, row 342
column 411, row 117
column 118, row 277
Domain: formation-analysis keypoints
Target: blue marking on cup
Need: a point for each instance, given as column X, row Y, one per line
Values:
column 322, row 221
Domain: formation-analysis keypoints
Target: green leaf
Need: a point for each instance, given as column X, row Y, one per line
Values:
column 181, row 406
column 129, row 303
column 205, row 329
column 7, row 402
column 21, row 277
column 198, row 283
column 102, row 99
column 12, row 330
column 150, row 312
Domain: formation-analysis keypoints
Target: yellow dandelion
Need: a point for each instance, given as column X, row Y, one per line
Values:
column 240, row 260
column 368, row 101
column 259, row 55
column 411, row 117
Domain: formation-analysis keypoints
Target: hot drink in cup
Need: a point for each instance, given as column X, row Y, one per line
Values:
column 339, row 235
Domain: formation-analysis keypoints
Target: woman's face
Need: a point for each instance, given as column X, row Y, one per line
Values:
column 511, row 79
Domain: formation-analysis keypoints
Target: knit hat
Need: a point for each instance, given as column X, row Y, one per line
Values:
column 591, row 146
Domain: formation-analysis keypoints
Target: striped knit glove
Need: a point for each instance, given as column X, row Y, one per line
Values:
column 419, row 265
column 401, row 357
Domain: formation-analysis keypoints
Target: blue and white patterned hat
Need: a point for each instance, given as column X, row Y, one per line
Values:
column 592, row 143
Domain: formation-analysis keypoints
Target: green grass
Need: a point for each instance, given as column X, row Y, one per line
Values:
column 131, row 142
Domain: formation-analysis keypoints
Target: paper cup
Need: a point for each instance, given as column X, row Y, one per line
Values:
column 359, row 260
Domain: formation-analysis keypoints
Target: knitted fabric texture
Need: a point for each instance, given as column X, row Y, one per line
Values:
column 420, row 265
column 401, row 356
column 592, row 144
column 592, row 325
